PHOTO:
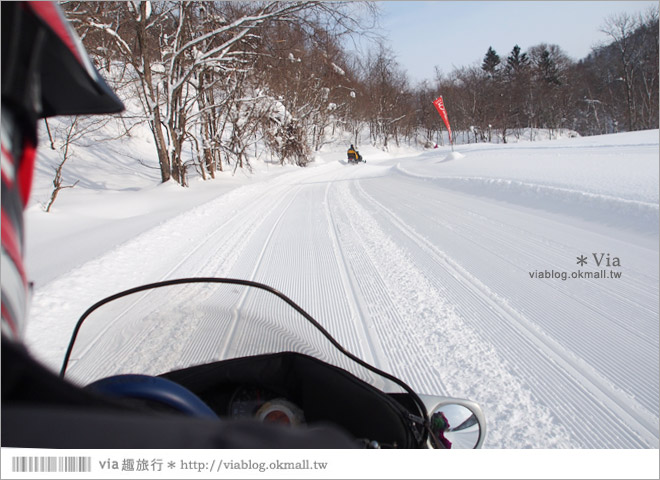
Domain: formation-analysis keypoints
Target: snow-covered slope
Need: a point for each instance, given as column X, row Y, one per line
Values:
column 445, row 269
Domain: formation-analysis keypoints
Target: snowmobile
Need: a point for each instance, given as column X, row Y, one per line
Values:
column 355, row 161
column 228, row 348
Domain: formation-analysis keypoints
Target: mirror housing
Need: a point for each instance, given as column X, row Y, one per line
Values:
column 456, row 422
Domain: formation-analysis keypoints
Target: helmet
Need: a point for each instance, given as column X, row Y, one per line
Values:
column 45, row 69
column 45, row 72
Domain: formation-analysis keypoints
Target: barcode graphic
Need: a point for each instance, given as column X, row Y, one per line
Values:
column 51, row 464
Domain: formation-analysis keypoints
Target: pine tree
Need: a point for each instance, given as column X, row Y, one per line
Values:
column 517, row 61
column 547, row 69
column 491, row 62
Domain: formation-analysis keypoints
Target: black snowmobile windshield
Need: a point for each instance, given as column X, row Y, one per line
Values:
column 161, row 328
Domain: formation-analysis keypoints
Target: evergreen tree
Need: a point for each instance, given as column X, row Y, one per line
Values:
column 547, row 69
column 491, row 62
column 517, row 61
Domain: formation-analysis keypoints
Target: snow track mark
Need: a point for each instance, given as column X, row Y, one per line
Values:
column 554, row 366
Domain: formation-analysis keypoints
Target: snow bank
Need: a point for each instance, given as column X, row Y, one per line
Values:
column 453, row 156
column 612, row 179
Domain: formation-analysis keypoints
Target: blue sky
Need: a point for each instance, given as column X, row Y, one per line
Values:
column 451, row 34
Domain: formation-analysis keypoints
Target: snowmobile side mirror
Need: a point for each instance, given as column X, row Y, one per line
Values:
column 455, row 423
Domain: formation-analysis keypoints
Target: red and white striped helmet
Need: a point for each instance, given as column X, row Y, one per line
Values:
column 45, row 68
column 45, row 72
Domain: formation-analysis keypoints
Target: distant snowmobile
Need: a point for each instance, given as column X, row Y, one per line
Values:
column 272, row 362
column 354, row 156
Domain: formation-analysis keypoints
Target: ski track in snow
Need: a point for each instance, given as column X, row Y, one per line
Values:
column 566, row 383
column 449, row 348
column 194, row 243
column 407, row 272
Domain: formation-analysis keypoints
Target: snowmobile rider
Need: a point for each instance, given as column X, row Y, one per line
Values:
column 352, row 154
column 439, row 425
column 46, row 72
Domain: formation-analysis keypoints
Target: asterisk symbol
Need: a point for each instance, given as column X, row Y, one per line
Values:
column 171, row 465
column 581, row 260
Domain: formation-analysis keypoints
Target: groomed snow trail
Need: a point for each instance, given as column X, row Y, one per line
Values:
column 427, row 282
column 585, row 349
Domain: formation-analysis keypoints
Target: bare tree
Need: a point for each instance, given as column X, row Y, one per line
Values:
column 68, row 134
column 387, row 102
column 65, row 154
column 620, row 28
column 648, row 43
column 181, row 52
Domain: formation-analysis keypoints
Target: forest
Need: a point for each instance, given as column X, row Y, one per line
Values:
column 222, row 83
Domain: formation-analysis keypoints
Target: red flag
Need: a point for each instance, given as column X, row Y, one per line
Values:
column 440, row 106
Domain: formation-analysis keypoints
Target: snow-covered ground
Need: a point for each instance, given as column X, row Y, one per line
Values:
column 456, row 271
